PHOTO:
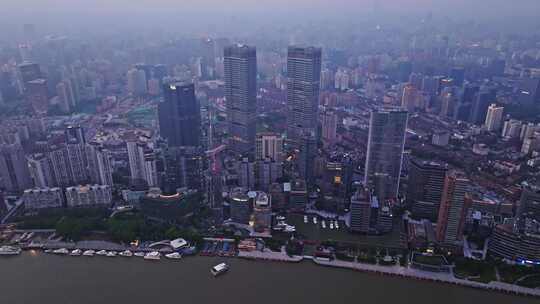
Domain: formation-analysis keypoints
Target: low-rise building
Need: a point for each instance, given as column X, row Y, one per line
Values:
column 42, row 198
column 88, row 196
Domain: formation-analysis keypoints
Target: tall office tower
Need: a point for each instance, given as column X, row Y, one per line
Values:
column 208, row 61
column 484, row 98
column 385, row 151
column 136, row 82
column 14, row 173
column 329, row 126
column 361, row 211
column 430, row 84
column 99, row 164
column 180, row 115
column 136, row 159
column 240, row 64
column 267, row 171
column 529, row 203
column 29, row 71
column 60, row 165
column 65, row 93
column 426, row 184
column 409, row 97
column 246, row 173
column 458, row 75
column 40, row 170
column 37, row 94
column 74, row 135
column 303, row 85
column 269, row 146
column 183, row 168
column 306, row 158
column 453, row 209
column 150, row 170
column 494, row 118
column 448, row 104
column 529, row 91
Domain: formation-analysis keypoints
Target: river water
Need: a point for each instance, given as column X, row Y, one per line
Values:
column 48, row 279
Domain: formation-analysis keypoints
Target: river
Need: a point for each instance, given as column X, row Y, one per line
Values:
column 36, row 277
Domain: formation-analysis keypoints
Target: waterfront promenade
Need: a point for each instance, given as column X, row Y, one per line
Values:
column 430, row 276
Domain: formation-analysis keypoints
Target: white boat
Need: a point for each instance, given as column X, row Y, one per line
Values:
column 331, row 225
column 89, row 253
column 61, row 251
column 102, row 252
column 323, row 224
column 173, row 256
column 111, row 254
column 280, row 218
column 126, row 253
column 154, row 255
column 315, row 220
column 76, row 252
column 49, row 251
column 336, row 224
column 9, row 250
column 219, row 269
column 139, row 254
column 305, row 219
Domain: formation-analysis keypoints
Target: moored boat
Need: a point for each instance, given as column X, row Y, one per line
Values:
column 126, row 253
column 89, row 253
column 173, row 256
column 219, row 269
column 76, row 252
column 10, row 250
column 154, row 255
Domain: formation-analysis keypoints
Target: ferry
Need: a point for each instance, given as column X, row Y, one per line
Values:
column 219, row 269
column 173, row 256
column 9, row 250
column 139, row 254
column 76, row 252
column 61, row 251
column 111, row 254
column 154, row 255
column 89, row 253
column 126, row 253
column 102, row 252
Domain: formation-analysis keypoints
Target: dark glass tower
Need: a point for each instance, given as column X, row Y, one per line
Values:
column 179, row 115
column 240, row 63
column 385, row 151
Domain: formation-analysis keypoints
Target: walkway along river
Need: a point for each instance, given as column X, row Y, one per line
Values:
column 35, row 277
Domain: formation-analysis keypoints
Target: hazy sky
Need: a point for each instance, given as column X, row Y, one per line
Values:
column 204, row 12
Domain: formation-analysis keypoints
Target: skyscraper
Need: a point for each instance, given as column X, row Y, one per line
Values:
column 329, row 126
column 483, row 99
column 303, row 85
column 361, row 211
column 385, row 151
column 453, row 209
column 99, row 164
column 37, row 94
column 180, row 115
column 424, row 191
column 494, row 118
column 269, row 146
column 136, row 159
column 409, row 97
column 240, row 64
column 14, row 173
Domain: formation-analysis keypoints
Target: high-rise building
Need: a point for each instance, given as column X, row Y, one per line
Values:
column 240, row 64
column 29, row 71
column 246, row 173
column 262, row 212
column 65, row 93
column 99, row 164
column 37, row 94
column 458, row 75
column 303, row 85
column 329, row 126
column 529, row 203
column 150, row 170
column 183, row 169
column 385, row 151
column 78, row 163
column 484, row 98
column 267, row 171
column 361, row 211
column 453, row 209
column 136, row 82
column 14, row 173
column 41, row 172
column 409, row 97
column 180, row 115
column 136, row 159
column 208, row 61
column 269, row 146
column 75, row 135
column 494, row 118
column 60, row 164
column 425, row 188
column 240, row 206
